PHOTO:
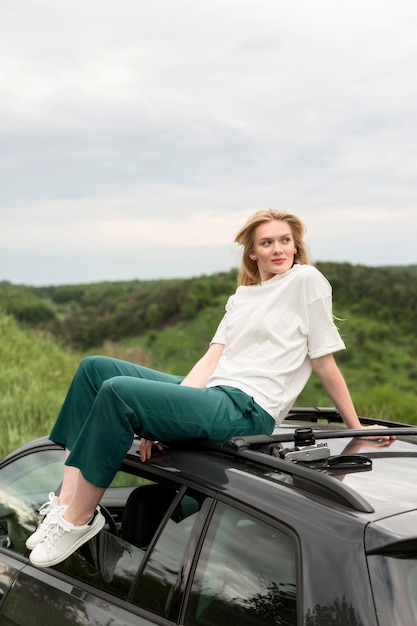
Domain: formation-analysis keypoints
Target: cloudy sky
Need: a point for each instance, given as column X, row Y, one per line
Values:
column 136, row 136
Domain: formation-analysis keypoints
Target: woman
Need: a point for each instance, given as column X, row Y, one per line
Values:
column 278, row 327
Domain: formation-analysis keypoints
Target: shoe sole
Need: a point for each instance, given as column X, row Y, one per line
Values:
column 95, row 529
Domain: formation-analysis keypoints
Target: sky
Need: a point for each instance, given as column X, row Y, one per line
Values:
column 136, row 137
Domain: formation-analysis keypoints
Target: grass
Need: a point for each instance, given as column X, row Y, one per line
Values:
column 34, row 376
column 380, row 367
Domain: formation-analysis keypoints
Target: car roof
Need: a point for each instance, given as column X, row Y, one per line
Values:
column 376, row 481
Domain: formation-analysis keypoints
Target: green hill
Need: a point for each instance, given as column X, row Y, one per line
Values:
column 167, row 324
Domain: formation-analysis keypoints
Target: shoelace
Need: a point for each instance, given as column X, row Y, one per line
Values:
column 54, row 530
column 50, row 510
column 49, row 505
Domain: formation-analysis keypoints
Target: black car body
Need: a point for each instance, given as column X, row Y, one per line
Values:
column 304, row 528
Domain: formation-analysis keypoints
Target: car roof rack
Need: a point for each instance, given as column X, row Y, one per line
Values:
column 258, row 449
column 332, row 416
column 304, row 477
column 256, row 441
column 313, row 414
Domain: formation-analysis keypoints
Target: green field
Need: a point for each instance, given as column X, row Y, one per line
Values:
column 167, row 324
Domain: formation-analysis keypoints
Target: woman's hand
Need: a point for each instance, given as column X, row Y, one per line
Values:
column 380, row 438
column 356, row 444
column 145, row 448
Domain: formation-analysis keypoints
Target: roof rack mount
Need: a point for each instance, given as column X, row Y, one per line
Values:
column 325, row 485
column 253, row 441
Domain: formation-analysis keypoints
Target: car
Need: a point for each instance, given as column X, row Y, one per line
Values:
column 310, row 526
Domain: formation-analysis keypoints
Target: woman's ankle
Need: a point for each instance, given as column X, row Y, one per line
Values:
column 80, row 519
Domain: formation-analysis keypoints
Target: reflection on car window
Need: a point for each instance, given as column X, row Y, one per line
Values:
column 246, row 575
column 394, row 582
column 111, row 560
column 155, row 590
column 24, row 487
column 106, row 562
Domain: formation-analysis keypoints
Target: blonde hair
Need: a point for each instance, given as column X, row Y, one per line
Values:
column 249, row 273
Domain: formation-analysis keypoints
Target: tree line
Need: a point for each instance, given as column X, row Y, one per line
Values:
column 85, row 315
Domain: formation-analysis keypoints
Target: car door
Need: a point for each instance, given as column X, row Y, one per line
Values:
column 39, row 597
column 65, row 594
column 110, row 581
column 128, row 574
column 247, row 573
column 9, row 571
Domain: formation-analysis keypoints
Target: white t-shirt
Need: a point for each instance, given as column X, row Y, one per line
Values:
column 271, row 331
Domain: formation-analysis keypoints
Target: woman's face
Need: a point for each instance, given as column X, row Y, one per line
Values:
column 273, row 249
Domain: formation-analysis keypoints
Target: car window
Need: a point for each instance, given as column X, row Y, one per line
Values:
column 24, row 487
column 394, row 582
column 106, row 562
column 162, row 573
column 246, row 574
column 111, row 560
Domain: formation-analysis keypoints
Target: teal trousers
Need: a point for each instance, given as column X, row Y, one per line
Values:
column 110, row 401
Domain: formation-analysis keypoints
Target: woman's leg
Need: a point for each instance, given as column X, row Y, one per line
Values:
column 84, row 501
column 92, row 372
column 153, row 409
column 162, row 411
column 86, row 384
column 76, row 494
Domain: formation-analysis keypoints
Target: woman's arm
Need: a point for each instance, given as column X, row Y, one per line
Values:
column 333, row 382
column 202, row 370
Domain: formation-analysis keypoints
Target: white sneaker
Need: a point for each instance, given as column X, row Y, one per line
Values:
column 63, row 538
column 50, row 510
